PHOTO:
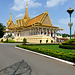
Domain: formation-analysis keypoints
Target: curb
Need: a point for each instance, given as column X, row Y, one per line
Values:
column 46, row 56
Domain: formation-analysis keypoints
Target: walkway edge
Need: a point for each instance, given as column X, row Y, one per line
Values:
column 46, row 56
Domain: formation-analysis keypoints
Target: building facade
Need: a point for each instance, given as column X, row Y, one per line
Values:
column 34, row 30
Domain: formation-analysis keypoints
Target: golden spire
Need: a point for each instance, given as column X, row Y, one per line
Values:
column 10, row 19
column 45, row 11
column 26, row 12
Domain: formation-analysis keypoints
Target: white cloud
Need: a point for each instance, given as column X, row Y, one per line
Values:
column 20, row 4
column 52, row 3
column 66, row 21
column 20, row 16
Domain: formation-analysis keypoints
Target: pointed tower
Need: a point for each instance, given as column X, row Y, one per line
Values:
column 10, row 19
column 9, row 22
column 26, row 12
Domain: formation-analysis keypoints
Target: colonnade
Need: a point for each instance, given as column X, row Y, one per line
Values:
column 37, row 31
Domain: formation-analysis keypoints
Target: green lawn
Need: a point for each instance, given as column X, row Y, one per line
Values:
column 51, row 50
column 55, row 47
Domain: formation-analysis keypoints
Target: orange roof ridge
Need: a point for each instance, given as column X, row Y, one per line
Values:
column 36, row 16
column 35, row 19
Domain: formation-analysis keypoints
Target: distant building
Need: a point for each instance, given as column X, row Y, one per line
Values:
column 34, row 30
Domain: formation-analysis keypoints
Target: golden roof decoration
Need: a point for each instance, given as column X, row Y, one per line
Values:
column 35, row 19
column 10, row 19
column 26, row 12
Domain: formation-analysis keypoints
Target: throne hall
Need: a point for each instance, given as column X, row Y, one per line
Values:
column 34, row 30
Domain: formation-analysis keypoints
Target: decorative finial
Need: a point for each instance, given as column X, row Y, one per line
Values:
column 58, row 26
column 26, row 3
column 45, row 11
column 26, row 12
column 10, row 19
column 70, row 7
column 18, row 18
column 10, row 11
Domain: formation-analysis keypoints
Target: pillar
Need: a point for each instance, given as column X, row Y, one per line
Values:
column 30, row 32
column 42, row 31
column 53, row 32
column 38, row 31
column 19, row 34
column 50, row 32
column 16, row 33
column 46, row 32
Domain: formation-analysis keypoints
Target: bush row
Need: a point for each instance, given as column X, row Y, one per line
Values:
column 67, row 46
column 12, row 41
column 71, row 41
column 57, row 54
column 42, row 44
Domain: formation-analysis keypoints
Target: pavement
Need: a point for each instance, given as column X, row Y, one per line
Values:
column 39, row 65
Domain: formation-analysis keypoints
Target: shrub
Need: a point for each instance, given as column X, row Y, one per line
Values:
column 67, row 46
column 24, row 41
column 10, row 41
column 6, row 40
column 71, row 41
column 9, row 35
column 70, row 53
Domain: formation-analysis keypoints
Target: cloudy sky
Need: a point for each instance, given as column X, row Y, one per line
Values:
column 56, row 9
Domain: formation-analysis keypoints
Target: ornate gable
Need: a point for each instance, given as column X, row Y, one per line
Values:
column 11, row 25
column 47, row 20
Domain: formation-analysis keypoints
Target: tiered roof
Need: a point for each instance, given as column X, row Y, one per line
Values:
column 41, row 20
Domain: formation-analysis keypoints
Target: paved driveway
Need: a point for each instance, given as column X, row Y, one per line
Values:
column 39, row 65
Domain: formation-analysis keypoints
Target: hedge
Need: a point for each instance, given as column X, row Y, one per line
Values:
column 57, row 54
column 42, row 44
column 67, row 46
column 71, row 41
column 10, row 41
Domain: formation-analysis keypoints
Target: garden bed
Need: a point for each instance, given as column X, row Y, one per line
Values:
column 68, row 55
column 69, row 44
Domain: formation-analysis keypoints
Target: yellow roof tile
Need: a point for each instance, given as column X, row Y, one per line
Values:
column 35, row 19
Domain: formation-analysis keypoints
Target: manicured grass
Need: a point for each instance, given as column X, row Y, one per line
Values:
column 51, row 50
column 55, row 48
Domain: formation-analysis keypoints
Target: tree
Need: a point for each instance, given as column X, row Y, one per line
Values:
column 24, row 41
column 1, row 30
column 65, row 35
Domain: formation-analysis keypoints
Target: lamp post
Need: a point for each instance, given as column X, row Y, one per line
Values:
column 70, row 24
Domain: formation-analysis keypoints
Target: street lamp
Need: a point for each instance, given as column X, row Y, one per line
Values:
column 70, row 24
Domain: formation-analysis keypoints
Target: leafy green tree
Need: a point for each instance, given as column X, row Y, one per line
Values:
column 1, row 30
column 9, row 35
column 65, row 35
column 24, row 41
